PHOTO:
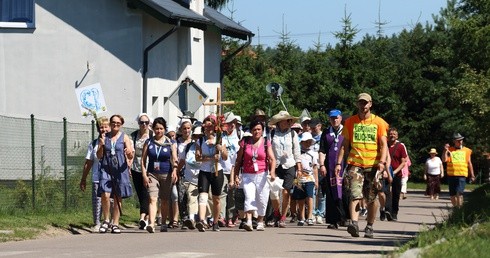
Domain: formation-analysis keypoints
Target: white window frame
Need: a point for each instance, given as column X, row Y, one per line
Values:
column 14, row 11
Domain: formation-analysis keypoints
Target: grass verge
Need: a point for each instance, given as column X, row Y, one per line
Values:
column 30, row 225
column 465, row 233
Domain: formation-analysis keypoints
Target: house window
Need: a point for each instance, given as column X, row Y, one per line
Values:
column 16, row 13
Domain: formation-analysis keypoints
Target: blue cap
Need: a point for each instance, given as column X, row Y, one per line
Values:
column 334, row 113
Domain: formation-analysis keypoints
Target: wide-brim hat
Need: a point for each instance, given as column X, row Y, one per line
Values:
column 282, row 115
column 259, row 112
column 457, row 136
column 229, row 117
column 238, row 120
column 433, row 151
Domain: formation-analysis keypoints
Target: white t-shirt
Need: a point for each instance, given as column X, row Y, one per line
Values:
column 232, row 145
column 92, row 155
column 434, row 166
column 308, row 160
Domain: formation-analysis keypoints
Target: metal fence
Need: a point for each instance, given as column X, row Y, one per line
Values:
column 41, row 164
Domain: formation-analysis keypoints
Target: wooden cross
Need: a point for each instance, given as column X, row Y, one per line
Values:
column 219, row 105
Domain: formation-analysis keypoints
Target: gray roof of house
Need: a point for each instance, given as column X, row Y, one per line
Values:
column 168, row 11
column 227, row 26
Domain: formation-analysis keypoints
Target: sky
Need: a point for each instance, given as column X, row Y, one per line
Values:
column 311, row 21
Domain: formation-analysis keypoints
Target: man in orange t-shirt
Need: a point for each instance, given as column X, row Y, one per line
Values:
column 365, row 135
column 459, row 167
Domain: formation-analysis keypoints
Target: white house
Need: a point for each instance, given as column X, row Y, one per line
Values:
column 140, row 51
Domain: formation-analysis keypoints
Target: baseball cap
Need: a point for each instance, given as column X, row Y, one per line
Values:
column 334, row 113
column 364, row 96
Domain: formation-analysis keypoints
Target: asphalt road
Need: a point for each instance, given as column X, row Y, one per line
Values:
column 416, row 213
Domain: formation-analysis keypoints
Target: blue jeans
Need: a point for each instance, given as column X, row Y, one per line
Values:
column 320, row 207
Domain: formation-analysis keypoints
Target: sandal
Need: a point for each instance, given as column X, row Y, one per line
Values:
column 104, row 227
column 174, row 224
column 115, row 229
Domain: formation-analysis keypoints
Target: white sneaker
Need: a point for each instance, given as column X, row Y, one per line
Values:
column 260, row 226
column 319, row 219
column 96, row 228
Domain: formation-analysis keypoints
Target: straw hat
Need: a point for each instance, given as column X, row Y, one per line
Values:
column 282, row 115
column 433, row 151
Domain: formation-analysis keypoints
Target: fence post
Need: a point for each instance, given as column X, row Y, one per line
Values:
column 33, row 163
column 65, row 170
column 93, row 130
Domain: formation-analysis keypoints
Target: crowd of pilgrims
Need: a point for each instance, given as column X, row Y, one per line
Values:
column 271, row 172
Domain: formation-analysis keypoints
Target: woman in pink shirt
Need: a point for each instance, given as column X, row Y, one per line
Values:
column 254, row 159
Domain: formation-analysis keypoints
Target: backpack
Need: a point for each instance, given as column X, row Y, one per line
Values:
column 134, row 135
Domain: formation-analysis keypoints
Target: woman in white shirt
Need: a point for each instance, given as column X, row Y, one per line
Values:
column 434, row 171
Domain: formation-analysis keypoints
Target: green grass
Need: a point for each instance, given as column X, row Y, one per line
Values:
column 464, row 233
column 30, row 225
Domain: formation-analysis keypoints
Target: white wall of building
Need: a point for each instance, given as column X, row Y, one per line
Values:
column 39, row 68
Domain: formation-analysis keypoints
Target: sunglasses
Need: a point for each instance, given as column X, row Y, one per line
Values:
column 144, row 122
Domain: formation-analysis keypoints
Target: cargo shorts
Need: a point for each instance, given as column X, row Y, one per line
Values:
column 363, row 183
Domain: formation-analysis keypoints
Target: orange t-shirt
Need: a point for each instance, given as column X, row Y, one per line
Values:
column 364, row 137
column 457, row 163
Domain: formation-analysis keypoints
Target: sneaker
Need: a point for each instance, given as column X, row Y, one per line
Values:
column 230, row 224
column 200, row 226
column 309, row 222
column 150, row 229
column 260, row 226
column 248, row 227
column 369, row 232
column 389, row 216
column 142, row 224
column 96, row 228
column 382, row 215
column 221, row 222
column 394, row 217
column 301, row 223
column 293, row 219
column 282, row 223
column 254, row 223
column 158, row 221
column 104, row 227
column 189, row 224
column 242, row 224
column 216, row 227
column 333, row 226
column 164, row 228
column 115, row 229
column 353, row 230
column 318, row 219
